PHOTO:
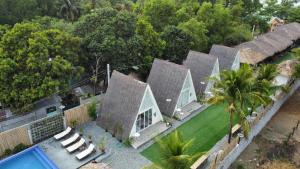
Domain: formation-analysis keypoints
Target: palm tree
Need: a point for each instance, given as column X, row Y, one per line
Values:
column 69, row 11
column 264, row 78
column 238, row 89
column 174, row 152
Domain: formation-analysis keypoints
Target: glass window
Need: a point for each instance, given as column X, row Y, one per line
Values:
column 144, row 120
column 150, row 117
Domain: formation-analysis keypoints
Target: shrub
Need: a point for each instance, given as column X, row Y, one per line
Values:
column 7, row 152
column 92, row 110
column 127, row 142
column 102, row 144
column 19, row 147
column 73, row 123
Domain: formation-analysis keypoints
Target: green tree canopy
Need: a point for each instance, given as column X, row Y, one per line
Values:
column 160, row 13
column 35, row 63
column 197, row 30
column 178, row 44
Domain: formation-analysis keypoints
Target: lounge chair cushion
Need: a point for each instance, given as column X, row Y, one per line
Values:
column 63, row 134
column 76, row 145
column 70, row 140
column 86, row 152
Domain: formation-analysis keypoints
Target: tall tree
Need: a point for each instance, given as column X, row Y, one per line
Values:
column 160, row 13
column 69, row 11
column 13, row 11
column 178, row 44
column 116, row 38
column 236, row 89
column 197, row 30
column 35, row 63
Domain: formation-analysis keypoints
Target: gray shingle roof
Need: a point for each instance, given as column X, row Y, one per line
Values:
column 121, row 103
column 201, row 66
column 226, row 55
column 166, row 80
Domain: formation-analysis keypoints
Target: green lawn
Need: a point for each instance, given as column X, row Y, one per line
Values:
column 207, row 128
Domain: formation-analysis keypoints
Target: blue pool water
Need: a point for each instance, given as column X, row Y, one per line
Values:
column 31, row 158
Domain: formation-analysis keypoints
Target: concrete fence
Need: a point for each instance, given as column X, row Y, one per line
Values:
column 222, row 155
column 10, row 138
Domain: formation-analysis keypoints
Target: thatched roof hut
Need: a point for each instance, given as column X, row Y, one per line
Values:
column 269, row 44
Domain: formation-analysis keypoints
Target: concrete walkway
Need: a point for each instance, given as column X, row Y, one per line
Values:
column 121, row 157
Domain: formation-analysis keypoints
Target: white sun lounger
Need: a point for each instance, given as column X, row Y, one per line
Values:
column 76, row 145
column 70, row 140
column 62, row 134
column 86, row 152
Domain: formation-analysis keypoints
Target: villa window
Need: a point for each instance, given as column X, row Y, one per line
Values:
column 144, row 120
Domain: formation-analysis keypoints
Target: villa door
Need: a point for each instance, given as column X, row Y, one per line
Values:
column 144, row 120
column 184, row 98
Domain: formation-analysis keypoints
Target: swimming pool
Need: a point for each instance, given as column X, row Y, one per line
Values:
column 31, row 158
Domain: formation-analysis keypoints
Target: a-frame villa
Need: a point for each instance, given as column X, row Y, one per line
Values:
column 129, row 110
column 173, row 88
column 203, row 67
column 229, row 58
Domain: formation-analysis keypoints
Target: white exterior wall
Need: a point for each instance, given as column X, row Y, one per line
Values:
column 147, row 103
column 215, row 73
column 191, row 88
column 236, row 63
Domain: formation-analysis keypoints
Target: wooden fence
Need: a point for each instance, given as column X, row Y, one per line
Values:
column 10, row 138
column 79, row 114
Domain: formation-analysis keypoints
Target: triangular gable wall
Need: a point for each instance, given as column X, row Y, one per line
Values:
column 236, row 63
column 148, row 102
column 215, row 73
column 188, row 82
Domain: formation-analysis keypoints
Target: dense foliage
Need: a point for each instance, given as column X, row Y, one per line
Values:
column 35, row 63
column 126, row 34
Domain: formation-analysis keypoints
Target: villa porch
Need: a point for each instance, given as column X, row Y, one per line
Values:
column 187, row 110
column 149, row 133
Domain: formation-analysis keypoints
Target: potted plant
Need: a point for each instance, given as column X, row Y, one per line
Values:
column 90, row 139
column 81, row 132
column 102, row 144
column 74, row 123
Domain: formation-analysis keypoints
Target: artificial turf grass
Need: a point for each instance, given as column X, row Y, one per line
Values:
column 206, row 128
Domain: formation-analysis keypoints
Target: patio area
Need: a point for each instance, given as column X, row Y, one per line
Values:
column 149, row 133
column 64, row 159
column 187, row 110
column 118, row 155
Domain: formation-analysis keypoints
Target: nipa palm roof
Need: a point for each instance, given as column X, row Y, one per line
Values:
column 226, row 55
column 121, row 103
column 166, row 81
column 268, row 44
column 201, row 66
